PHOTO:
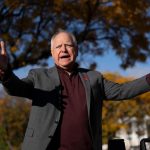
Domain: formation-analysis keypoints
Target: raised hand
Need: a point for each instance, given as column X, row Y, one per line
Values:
column 3, row 59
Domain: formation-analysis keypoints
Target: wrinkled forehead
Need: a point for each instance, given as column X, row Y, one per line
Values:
column 62, row 37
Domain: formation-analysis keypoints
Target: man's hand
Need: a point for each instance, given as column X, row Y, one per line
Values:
column 3, row 59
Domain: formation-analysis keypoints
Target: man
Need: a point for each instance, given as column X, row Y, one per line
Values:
column 66, row 100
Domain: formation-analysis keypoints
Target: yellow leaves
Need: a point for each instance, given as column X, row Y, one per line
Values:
column 118, row 7
column 116, row 77
column 86, row 18
column 124, row 13
column 58, row 5
column 12, row 4
column 112, row 11
column 13, row 49
column 145, row 97
column 13, row 119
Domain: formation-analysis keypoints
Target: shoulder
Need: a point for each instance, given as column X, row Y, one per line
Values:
column 84, row 70
column 90, row 73
column 42, row 70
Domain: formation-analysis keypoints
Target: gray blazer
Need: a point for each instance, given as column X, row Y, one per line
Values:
column 43, row 87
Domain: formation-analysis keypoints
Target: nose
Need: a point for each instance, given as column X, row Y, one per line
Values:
column 63, row 48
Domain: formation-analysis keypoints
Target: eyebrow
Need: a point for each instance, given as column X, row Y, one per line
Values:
column 69, row 43
column 58, row 45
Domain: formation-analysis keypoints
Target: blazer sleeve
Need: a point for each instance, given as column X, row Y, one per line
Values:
column 19, row 87
column 125, row 91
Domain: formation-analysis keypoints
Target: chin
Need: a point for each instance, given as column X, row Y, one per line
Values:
column 67, row 66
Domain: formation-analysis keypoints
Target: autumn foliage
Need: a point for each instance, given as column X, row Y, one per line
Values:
column 99, row 25
column 14, row 113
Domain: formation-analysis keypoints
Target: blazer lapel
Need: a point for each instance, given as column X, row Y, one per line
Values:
column 86, row 83
column 54, row 76
column 53, row 73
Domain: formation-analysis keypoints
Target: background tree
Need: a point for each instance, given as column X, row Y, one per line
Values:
column 99, row 25
column 14, row 113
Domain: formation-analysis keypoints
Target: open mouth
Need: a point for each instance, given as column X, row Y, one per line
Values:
column 65, row 56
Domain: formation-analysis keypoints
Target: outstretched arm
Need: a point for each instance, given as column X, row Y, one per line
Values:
column 12, row 84
column 127, row 90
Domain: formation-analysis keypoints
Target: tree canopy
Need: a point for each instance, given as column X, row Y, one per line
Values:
column 99, row 25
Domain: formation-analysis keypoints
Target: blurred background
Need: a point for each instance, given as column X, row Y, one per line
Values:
column 113, row 37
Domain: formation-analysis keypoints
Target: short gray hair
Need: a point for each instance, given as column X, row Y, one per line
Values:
column 64, row 31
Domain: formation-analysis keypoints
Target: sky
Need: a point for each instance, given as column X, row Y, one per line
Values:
column 109, row 62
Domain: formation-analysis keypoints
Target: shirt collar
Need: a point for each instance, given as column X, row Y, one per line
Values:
column 73, row 71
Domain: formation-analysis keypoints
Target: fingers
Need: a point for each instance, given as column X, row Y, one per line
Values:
column 3, row 50
column 3, row 58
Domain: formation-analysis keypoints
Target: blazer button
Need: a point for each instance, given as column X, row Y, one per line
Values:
column 56, row 121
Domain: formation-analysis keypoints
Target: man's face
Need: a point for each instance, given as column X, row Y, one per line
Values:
column 64, row 51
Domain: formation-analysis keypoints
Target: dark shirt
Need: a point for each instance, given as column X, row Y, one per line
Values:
column 73, row 130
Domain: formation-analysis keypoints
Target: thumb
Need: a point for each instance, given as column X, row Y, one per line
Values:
column 3, row 50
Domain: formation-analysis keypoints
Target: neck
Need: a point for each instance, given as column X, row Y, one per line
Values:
column 69, row 69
